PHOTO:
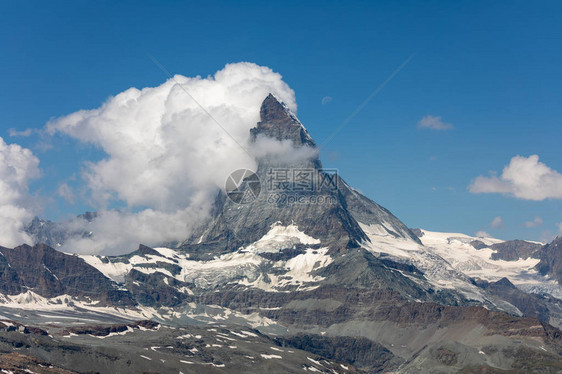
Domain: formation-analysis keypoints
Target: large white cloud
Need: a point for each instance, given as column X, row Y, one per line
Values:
column 17, row 167
column 524, row 178
column 166, row 156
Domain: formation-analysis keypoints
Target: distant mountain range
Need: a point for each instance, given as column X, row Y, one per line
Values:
column 294, row 271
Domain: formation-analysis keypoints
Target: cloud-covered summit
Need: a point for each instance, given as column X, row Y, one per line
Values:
column 167, row 157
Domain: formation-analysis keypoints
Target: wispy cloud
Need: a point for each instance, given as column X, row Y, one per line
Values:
column 327, row 100
column 497, row 223
column 482, row 234
column 524, row 178
column 23, row 133
column 547, row 236
column 434, row 123
column 537, row 221
column 66, row 192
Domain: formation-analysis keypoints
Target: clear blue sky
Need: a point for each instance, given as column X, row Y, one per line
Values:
column 491, row 69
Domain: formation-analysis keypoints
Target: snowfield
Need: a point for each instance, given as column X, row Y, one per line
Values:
column 448, row 261
column 242, row 266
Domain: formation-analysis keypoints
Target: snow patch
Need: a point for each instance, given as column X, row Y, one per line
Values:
column 269, row 357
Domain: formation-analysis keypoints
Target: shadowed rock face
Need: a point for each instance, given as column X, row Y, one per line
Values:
column 531, row 305
column 358, row 351
column 551, row 259
column 334, row 221
column 478, row 244
column 50, row 273
column 513, row 250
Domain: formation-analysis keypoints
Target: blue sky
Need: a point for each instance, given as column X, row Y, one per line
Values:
column 490, row 69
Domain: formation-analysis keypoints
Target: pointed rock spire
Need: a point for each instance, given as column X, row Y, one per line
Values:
column 273, row 111
column 278, row 122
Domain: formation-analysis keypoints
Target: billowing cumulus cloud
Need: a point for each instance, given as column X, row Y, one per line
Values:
column 166, row 156
column 281, row 150
column 434, row 123
column 524, row 178
column 120, row 232
column 17, row 167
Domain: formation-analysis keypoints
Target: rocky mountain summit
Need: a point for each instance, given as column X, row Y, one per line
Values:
column 54, row 234
column 278, row 122
column 335, row 221
column 307, row 275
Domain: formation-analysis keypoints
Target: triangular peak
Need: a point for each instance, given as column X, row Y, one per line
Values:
column 274, row 111
column 278, row 122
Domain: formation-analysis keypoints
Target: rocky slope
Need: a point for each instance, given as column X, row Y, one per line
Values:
column 551, row 259
column 51, row 273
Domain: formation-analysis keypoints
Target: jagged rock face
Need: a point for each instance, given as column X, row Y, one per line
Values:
column 10, row 282
column 478, row 244
column 150, row 289
column 333, row 216
column 50, row 273
column 511, row 250
column 55, row 234
column 551, row 259
column 46, row 232
column 514, row 250
column 278, row 122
